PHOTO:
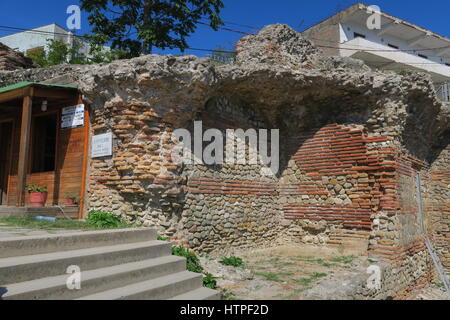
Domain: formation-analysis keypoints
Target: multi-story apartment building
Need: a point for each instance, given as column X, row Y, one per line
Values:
column 37, row 38
column 394, row 44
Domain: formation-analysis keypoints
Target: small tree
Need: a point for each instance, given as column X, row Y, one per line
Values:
column 38, row 55
column 136, row 26
column 58, row 52
column 106, row 56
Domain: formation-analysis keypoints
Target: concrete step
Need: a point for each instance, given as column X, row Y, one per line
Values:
column 94, row 281
column 155, row 289
column 199, row 294
column 31, row 267
column 31, row 245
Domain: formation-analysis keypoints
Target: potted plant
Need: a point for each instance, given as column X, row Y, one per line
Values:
column 71, row 200
column 38, row 195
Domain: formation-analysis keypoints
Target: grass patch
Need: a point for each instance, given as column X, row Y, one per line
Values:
column 228, row 295
column 30, row 222
column 303, row 258
column 317, row 275
column 274, row 276
column 275, row 259
column 308, row 281
column 439, row 284
column 344, row 259
column 232, row 261
column 294, row 293
column 321, row 262
column 271, row 276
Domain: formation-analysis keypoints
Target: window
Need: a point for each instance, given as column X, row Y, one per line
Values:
column 422, row 56
column 393, row 46
column 359, row 35
column 44, row 144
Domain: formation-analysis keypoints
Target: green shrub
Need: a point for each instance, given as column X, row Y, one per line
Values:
column 35, row 188
column 228, row 295
column 209, row 281
column 232, row 261
column 192, row 263
column 103, row 220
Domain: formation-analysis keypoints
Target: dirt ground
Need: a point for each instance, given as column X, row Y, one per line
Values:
column 286, row 273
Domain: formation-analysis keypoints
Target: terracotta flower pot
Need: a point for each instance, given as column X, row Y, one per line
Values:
column 38, row 199
column 70, row 202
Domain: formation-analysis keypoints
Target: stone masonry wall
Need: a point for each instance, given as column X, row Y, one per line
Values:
column 230, row 205
column 437, row 206
column 352, row 142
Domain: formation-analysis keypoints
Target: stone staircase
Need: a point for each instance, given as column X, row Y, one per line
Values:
column 114, row 264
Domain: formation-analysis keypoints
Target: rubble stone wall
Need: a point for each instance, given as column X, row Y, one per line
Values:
column 437, row 206
column 352, row 142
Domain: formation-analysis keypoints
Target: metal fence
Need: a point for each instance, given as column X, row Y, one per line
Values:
column 443, row 92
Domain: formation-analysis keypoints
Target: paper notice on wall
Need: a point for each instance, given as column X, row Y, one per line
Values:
column 72, row 116
column 102, row 145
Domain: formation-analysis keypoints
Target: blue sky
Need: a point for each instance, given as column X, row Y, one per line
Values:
column 256, row 13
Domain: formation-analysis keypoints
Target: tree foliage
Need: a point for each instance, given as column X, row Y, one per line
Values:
column 59, row 52
column 136, row 26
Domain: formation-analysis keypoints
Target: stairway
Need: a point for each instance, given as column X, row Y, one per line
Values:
column 114, row 264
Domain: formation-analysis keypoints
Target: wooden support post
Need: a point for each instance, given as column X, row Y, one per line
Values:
column 24, row 148
column 84, row 173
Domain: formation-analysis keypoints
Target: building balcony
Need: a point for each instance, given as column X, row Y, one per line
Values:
column 393, row 59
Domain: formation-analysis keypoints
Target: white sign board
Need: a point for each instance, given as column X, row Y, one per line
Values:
column 72, row 116
column 102, row 145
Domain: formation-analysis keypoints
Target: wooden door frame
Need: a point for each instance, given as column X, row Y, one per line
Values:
column 33, row 117
column 57, row 113
column 10, row 160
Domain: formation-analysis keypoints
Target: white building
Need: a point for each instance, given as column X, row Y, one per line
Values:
column 396, row 45
column 40, row 37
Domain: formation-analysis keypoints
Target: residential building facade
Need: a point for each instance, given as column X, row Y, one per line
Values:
column 41, row 37
column 395, row 45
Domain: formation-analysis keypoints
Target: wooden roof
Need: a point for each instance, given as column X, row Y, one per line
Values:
column 36, row 89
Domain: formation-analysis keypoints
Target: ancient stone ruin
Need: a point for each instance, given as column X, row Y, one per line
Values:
column 353, row 144
column 13, row 60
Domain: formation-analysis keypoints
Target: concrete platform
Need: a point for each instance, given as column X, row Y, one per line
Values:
column 7, row 211
column 13, row 232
